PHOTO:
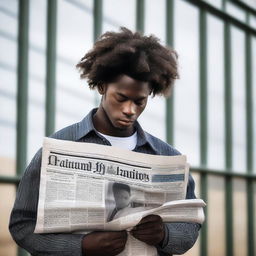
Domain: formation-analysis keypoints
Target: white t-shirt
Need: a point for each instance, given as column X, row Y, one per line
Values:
column 122, row 142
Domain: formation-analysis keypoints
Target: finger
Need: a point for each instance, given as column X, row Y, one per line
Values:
column 119, row 240
column 115, row 247
column 149, row 239
column 150, row 234
column 151, row 218
column 116, row 235
column 152, row 223
column 149, row 231
column 149, row 225
column 118, row 250
column 112, row 252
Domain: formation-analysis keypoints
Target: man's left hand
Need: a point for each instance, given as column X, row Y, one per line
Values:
column 150, row 230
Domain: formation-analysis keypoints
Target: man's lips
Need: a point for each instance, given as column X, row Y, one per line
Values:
column 127, row 120
column 124, row 121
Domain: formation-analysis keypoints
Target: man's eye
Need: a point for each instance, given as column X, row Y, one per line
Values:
column 120, row 99
column 139, row 103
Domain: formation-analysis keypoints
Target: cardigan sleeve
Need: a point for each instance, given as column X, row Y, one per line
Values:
column 24, row 214
column 180, row 236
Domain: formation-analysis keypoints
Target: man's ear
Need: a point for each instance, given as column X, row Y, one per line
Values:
column 101, row 89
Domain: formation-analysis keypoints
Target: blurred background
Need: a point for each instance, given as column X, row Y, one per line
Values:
column 210, row 116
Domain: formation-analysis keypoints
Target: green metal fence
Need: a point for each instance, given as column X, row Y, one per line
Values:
column 204, row 9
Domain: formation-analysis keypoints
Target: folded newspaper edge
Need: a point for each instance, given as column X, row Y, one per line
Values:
column 189, row 210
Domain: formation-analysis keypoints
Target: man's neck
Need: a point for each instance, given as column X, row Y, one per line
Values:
column 102, row 124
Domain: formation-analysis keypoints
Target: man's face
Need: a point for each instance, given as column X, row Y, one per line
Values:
column 123, row 101
column 122, row 198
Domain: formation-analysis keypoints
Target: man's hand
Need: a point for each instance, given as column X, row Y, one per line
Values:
column 150, row 230
column 104, row 243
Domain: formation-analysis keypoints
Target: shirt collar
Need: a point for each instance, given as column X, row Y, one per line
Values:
column 86, row 126
column 144, row 138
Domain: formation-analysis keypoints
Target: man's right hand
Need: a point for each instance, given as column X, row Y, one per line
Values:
column 104, row 243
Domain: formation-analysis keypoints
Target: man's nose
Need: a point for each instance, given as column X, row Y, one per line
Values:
column 129, row 108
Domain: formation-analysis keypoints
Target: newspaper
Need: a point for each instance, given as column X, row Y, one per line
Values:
column 86, row 186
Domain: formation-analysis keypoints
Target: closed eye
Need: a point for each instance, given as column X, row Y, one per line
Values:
column 121, row 97
column 139, row 103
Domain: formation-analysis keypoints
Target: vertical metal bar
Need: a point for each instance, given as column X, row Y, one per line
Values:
column 97, row 19
column 50, row 104
column 229, row 215
column 22, row 91
column 169, row 105
column 22, row 86
column 249, row 142
column 228, row 138
column 223, row 5
column 203, row 87
column 249, row 103
column 228, row 96
column 97, row 31
column 203, row 118
column 140, row 15
column 204, row 230
column 250, row 218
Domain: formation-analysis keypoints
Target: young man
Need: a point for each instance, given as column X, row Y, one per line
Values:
column 125, row 68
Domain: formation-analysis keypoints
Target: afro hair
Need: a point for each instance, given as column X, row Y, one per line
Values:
column 140, row 57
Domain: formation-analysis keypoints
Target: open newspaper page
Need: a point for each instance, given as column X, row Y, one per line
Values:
column 85, row 186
